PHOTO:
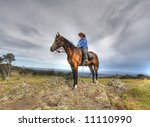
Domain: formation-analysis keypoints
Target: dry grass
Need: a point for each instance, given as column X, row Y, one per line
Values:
column 137, row 96
column 52, row 92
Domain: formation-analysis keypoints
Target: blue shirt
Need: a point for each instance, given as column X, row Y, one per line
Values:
column 82, row 43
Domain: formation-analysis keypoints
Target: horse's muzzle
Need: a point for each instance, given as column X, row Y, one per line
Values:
column 51, row 49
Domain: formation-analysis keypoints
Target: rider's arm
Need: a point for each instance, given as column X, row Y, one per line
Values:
column 82, row 43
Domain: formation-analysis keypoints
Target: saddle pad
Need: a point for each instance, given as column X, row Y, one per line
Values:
column 90, row 55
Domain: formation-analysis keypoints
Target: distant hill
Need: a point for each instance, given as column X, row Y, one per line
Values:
column 60, row 72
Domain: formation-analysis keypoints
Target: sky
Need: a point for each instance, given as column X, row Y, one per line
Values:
column 117, row 30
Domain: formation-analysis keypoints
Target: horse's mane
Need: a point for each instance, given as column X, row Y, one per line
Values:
column 69, row 44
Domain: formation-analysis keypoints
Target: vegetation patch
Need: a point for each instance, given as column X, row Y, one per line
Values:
column 40, row 89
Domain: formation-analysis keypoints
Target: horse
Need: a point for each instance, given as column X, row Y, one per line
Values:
column 75, row 58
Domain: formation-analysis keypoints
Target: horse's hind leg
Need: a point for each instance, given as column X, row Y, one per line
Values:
column 92, row 71
column 96, row 71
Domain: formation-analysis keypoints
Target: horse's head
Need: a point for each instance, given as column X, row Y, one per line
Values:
column 58, row 42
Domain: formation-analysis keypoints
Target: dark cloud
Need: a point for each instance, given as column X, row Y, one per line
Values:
column 118, row 30
column 8, row 41
column 28, row 30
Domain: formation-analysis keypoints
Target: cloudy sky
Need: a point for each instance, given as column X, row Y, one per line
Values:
column 117, row 30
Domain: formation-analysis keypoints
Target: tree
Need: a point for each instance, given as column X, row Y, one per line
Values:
column 3, row 69
column 9, row 58
column 1, row 60
column 140, row 76
column 6, row 65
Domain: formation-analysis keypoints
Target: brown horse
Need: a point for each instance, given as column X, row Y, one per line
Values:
column 75, row 57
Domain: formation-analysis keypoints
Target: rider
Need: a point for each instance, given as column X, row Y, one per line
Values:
column 82, row 44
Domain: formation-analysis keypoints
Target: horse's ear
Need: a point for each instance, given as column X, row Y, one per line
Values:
column 58, row 34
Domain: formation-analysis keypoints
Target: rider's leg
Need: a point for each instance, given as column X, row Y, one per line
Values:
column 85, row 54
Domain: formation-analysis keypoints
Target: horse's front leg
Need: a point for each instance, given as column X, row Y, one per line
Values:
column 75, row 75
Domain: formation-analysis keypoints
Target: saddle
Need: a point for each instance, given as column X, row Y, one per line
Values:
column 90, row 56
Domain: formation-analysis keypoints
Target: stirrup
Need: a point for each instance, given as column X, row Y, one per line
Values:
column 84, row 62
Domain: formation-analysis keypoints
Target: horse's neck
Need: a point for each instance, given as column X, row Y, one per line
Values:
column 71, row 51
column 68, row 47
column 68, row 50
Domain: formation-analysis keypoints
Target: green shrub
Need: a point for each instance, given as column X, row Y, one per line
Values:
column 124, row 96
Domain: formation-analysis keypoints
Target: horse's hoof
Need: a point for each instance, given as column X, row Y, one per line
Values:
column 75, row 87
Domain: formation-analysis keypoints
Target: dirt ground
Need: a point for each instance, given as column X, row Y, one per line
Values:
column 47, row 93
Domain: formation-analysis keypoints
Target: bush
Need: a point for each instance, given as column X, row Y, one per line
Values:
column 124, row 96
column 25, row 71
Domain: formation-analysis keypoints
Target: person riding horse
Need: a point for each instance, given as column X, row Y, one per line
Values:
column 74, row 56
column 83, row 45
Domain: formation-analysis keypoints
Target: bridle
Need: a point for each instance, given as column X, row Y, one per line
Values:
column 60, row 50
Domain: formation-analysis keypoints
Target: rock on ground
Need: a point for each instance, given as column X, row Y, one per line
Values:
column 57, row 94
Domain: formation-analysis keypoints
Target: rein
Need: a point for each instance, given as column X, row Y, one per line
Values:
column 68, row 44
column 60, row 50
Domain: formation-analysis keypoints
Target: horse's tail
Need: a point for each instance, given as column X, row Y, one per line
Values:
column 96, row 65
column 97, row 62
